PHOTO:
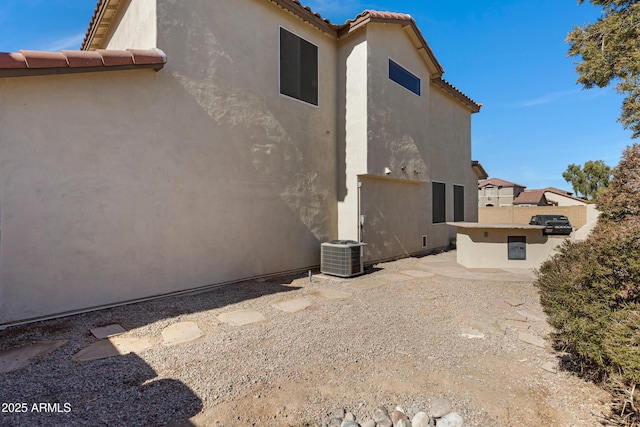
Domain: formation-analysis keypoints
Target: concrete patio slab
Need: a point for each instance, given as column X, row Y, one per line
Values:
column 19, row 357
column 333, row 294
column 181, row 332
column 241, row 317
column 114, row 346
column 293, row 305
column 107, row 331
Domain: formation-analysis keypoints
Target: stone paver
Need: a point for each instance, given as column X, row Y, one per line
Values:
column 181, row 332
column 241, row 317
column 393, row 277
column 531, row 315
column 514, row 302
column 114, row 346
column 108, row 331
column 550, row 367
column 517, row 324
column 292, row 305
column 19, row 357
column 493, row 327
column 366, row 285
column 333, row 294
column 418, row 273
column 500, row 304
column 469, row 332
column 531, row 339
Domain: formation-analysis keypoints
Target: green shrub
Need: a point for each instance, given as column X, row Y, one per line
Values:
column 591, row 290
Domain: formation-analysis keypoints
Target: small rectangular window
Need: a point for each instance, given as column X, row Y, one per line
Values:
column 298, row 68
column 404, row 78
column 517, row 247
column 438, row 202
column 458, row 203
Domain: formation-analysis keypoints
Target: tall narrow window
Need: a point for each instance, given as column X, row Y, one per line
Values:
column 458, row 203
column 438, row 202
column 298, row 68
column 404, row 78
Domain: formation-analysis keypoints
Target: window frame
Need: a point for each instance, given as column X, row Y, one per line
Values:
column 418, row 91
column 433, row 203
column 317, row 71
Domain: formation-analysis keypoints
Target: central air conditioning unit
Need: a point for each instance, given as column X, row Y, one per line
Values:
column 342, row 258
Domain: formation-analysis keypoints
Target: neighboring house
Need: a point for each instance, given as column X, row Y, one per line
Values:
column 263, row 132
column 531, row 198
column 559, row 197
column 547, row 197
column 498, row 192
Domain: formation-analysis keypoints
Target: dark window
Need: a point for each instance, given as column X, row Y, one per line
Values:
column 458, row 203
column 438, row 202
column 298, row 68
column 404, row 78
column 517, row 247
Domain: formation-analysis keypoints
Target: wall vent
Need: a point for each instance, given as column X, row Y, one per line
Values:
column 341, row 258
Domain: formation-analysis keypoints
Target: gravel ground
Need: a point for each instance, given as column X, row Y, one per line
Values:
column 397, row 340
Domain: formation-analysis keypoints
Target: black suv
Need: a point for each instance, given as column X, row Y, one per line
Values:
column 554, row 224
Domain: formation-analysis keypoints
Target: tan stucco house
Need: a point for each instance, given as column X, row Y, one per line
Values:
column 204, row 142
column 496, row 192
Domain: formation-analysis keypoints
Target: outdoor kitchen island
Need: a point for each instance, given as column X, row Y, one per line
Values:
column 485, row 245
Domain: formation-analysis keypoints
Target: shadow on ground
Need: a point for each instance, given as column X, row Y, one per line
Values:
column 119, row 390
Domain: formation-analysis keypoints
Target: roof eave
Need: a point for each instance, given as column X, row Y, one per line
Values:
column 307, row 15
column 361, row 21
column 104, row 15
column 448, row 88
column 30, row 72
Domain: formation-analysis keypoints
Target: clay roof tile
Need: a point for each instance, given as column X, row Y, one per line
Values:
column 12, row 60
column 115, row 57
column 80, row 58
column 40, row 59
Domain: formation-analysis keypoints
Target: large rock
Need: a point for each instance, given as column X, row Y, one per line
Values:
column 421, row 419
column 452, row 419
column 381, row 417
column 440, row 407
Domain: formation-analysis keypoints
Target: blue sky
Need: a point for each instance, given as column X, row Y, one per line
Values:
column 509, row 55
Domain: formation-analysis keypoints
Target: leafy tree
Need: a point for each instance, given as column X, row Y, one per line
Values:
column 575, row 176
column 610, row 50
column 591, row 180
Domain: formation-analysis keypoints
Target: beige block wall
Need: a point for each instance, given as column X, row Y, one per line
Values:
column 522, row 214
column 488, row 248
column 122, row 185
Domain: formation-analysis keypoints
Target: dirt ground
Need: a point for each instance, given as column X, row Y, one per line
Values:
column 407, row 333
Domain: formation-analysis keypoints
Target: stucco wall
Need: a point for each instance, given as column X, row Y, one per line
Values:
column 352, row 154
column 120, row 185
column 488, row 247
column 395, row 218
column 136, row 27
